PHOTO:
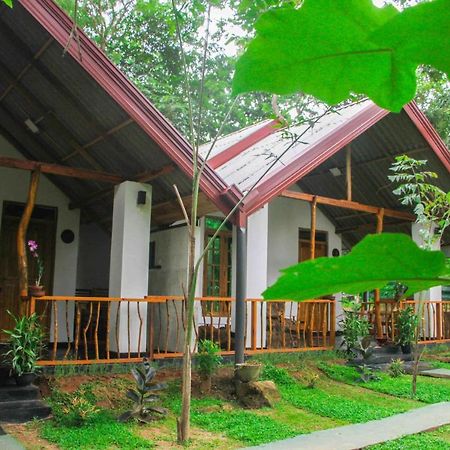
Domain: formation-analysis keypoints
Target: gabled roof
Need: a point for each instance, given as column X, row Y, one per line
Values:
column 376, row 135
column 89, row 114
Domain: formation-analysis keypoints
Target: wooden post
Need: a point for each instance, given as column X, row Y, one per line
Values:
column 21, row 237
column 313, row 228
column 379, row 325
column 348, row 172
column 333, row 323
column 254, row 324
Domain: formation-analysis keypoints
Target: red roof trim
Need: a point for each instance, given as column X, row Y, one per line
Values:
column 427, row 130
column 128, row 97
column 253, row 138
column 315, row 155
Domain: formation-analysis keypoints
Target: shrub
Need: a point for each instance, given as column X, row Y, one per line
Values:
column 145, row 392
column 396, row 368
column 208, row 358
column 355, row 329
column 25, row 343
column 74, row 409
column 407, row 322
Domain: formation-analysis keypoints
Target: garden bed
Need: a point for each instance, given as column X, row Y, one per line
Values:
column 313, row 398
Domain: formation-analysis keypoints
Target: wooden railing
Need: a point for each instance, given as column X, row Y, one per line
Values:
column 88, row 330
column 434, row 323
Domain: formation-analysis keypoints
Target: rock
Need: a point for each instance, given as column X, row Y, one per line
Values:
column 257, row 394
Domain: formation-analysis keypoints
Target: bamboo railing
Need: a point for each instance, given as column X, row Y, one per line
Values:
column 94, row 330
column 434, row 323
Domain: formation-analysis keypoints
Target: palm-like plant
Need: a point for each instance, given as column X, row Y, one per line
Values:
column 145, row 393
column 25, row 344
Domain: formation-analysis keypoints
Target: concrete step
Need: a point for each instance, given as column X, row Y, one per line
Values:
column 13, row 392
column 382, row 358
column 19, row 411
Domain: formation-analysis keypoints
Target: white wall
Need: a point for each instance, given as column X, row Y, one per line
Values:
column 14, row 187
column 286, row 216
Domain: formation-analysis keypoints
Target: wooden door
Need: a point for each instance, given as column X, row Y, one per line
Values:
column 42, row 230
column 304, row 250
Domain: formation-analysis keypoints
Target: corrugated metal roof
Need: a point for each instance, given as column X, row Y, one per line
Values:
column 72, row 110
column 246, row 168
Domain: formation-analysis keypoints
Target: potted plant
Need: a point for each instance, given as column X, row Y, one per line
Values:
column 248, row 371
column 25, row 344
column 36, row 289
column 407, row 321
column 208, row 361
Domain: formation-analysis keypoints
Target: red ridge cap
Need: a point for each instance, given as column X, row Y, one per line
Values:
column 114, row 82
column 429, row 133
column 315, row 155
column 234, row 150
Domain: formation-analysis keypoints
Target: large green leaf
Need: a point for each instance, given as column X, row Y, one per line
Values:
column 8, row 2
column 331, row 48
column 375, row 261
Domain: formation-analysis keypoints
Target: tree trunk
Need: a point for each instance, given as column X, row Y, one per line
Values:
column 21, row 237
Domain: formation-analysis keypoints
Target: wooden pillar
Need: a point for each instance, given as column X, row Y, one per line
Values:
column 379, row 325
column 348, row 172
column 21, row 238
column 313, row 228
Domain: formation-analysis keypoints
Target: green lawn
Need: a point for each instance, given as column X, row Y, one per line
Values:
column 429, row 390
column 336, row 399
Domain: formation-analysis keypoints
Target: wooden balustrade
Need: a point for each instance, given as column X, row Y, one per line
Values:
column 434, row 323
column 92, row 330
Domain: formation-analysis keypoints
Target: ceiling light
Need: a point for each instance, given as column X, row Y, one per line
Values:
column 336, row 171
column 31, row 126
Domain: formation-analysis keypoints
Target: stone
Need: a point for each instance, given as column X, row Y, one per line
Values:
column 257, row 394
column 436, row 373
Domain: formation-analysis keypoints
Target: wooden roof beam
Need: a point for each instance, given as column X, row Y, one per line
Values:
column 144, row 177
column 346, row 204
column 64, row 171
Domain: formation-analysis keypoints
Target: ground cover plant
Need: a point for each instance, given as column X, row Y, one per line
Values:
column 431, row 390
column 218, row 421
column 435, row 440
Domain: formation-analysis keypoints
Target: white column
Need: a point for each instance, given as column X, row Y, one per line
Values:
column 128, row 275
column 434, row 293
column 257, row 251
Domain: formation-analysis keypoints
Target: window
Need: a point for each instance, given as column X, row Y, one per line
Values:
column 304, row 244
column 217, row 266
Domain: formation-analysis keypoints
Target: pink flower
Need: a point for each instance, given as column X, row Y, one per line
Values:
column 33, row 246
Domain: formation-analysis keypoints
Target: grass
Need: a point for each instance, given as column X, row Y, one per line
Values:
column 330, row 401
column 101, row 432
column 435, row 440
column 429, row 390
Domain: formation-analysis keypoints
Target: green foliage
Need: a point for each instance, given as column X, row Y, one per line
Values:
column 371, row 264
column 328, row 404
column 407, row 322
column 245, row 426
column 208, row 358
column 8, row 2
column 144, row 394
column 25, row 343
column 423, row 441
column 102, row 432
column 366, row 374
column 354, row 329
column 396, row 368
column 431, row 391
column 73, row 410
column 431, row 204
column 332, row 48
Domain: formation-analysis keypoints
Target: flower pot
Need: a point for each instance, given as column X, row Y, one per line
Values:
column 25, row 379
column 247, row 372
column 406, row 349
column 36, row 291
column 4, row 375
